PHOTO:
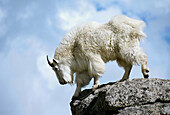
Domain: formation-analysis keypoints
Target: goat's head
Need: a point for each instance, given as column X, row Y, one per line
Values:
column 63, row 72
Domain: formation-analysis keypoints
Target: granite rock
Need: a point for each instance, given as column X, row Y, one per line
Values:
column 136, row 96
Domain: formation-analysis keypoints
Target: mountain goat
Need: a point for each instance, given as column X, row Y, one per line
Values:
column 87, row 48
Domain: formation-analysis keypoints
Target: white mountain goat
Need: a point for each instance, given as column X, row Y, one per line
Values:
column 87, row 48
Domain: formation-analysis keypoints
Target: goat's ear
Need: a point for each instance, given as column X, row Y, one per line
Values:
column 55, row 61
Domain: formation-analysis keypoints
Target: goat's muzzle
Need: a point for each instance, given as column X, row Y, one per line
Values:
column 63, row 82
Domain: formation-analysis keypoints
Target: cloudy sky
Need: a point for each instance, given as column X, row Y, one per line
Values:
column 31, row 29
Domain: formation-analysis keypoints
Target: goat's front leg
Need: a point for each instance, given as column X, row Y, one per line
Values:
column 96, row 83
column 77, row 92
column 82, row 79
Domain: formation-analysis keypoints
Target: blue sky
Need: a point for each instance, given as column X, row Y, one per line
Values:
column 31, row 29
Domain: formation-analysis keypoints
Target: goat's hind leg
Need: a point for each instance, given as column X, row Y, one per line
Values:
column 143, row 61
column 96, row 83
column 127, row 68
column 127, row 73
column 145, row 70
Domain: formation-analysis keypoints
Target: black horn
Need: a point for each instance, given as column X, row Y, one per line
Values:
column 51, row 64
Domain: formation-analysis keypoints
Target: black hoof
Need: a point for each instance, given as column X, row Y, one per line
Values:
column 146, row 76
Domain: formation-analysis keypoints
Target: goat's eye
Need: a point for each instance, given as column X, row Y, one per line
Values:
column 56, row 69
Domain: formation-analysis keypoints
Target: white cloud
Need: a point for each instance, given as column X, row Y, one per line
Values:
column 2, row 15
column 26, row 13
column 84, row 12
column 46, row 71
column 49, row 22
column 32, row 79
column 156, row 45
column 20, row 72
column 71, row 17
column 163, row 5
column 3, row 27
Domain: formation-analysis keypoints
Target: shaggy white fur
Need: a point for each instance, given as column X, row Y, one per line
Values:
column 87, row 48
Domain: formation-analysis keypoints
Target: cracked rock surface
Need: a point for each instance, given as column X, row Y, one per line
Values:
column 138, row 96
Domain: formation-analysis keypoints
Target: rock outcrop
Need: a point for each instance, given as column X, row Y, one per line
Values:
column 131, row 97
